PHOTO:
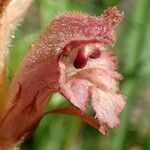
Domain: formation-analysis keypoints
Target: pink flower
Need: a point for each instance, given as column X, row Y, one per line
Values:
column 71, row 57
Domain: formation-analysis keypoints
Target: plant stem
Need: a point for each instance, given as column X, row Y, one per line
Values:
column 8, row 23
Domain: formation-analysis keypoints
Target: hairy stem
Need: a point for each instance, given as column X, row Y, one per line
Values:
column 9, row 19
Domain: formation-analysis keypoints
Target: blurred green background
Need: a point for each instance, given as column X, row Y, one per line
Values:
column 58, row 132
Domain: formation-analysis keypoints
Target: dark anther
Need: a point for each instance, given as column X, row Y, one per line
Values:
column 81, row 59
column 96, row 53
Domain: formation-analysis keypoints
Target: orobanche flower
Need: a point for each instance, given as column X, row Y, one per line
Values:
column 72, row 57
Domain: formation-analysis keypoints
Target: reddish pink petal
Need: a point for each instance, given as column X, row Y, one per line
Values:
column 100, row 78
column 80, row 89
column 103, row 110
column 107, row 106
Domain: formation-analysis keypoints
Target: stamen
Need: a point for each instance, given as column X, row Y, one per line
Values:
column 84, row 52
column 95, row 54
column 81, row 59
